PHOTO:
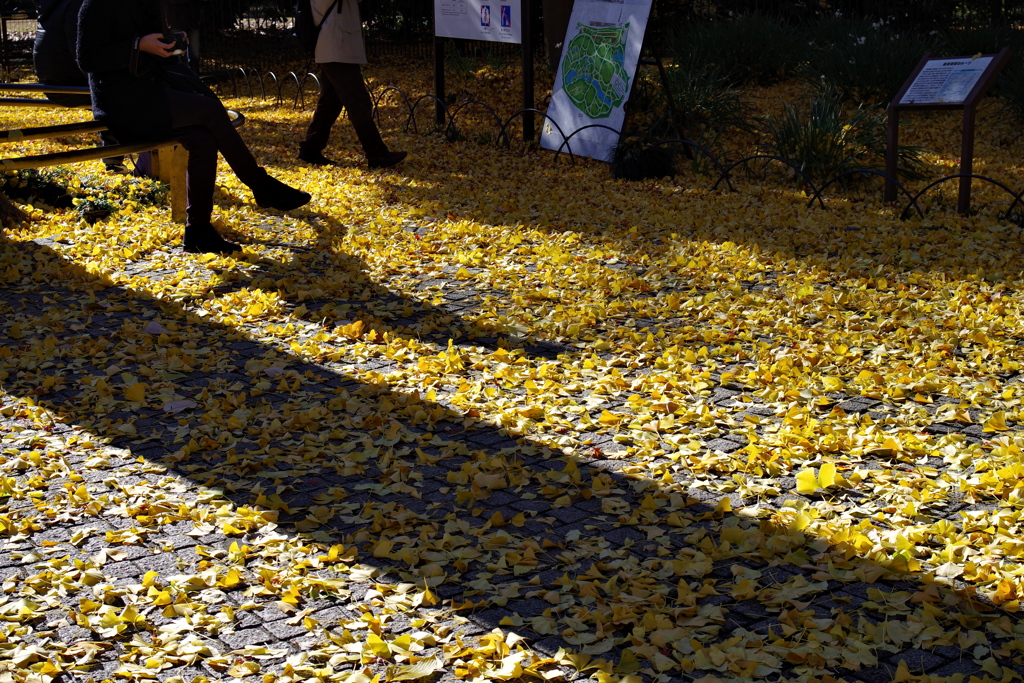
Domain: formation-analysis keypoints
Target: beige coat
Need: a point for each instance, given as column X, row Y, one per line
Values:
column 341, row 34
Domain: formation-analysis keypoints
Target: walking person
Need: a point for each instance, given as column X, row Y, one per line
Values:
column 142, row 92
column 340, row 52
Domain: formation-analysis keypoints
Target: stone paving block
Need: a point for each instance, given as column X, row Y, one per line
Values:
column 918, row 661
column 550, row 645
column 282, row 630
column 882, row 673
column 568, row 515
column 122, row 570
column 248, row 636
column 622, row 534
column 965, row 667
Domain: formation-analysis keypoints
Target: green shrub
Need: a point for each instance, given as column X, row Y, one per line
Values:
column 706, row 108
column 826, row 141
column 861, row 60
column 753, row 48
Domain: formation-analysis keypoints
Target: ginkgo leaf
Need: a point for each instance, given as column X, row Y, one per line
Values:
column 806, row 482
column 827, row 475
column 136, row 392
column 411, row 672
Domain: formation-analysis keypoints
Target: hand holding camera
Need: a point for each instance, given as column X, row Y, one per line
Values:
column 166, row 44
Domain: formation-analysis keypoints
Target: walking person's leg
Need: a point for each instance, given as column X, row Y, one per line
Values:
column 328, row 108
column 350, row 90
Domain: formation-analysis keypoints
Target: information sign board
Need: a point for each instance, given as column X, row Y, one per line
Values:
column 592, row 84
column 497, row 21
column 943, row 83
column 946, row 81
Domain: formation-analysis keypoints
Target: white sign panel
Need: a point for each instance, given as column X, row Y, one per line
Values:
column 599, row 58
column 946, row 80
column 499, row 21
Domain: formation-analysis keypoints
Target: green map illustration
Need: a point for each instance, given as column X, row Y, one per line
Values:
column 593, row 75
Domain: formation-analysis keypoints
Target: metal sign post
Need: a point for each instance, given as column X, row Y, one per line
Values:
column 949, row 83
column 504, row 21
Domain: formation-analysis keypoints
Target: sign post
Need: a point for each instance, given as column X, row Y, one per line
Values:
column 951, row 83
column 500, row 21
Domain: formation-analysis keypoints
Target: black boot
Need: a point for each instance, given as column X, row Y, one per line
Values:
column 204, row 239
column 271, row 193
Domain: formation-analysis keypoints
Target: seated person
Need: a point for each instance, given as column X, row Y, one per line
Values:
column 53, row 57
column 143, row 92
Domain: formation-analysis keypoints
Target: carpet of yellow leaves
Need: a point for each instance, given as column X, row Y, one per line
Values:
column 675, row 432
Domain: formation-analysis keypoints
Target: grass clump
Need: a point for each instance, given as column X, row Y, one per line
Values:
column 707, row 107
column 827, row 141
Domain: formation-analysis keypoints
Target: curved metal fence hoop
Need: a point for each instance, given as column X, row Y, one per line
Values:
column 248, row 83
column 463, row 105
column 1017, row 199
column 263, row 90
column 300, row 86
column 383, row 94
column 903, row 214
column 707, row 153
column 503, row 133
column 868, row 171
column 770, row 157
column 565, row 140
column 416, row 104
column 277, row 87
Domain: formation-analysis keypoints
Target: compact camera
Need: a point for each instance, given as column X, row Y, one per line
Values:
column 179, row 40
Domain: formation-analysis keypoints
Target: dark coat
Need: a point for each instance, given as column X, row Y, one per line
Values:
column 128, row 85
column 53, row 52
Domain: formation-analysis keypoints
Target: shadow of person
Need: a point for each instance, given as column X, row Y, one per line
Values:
column 205, row 487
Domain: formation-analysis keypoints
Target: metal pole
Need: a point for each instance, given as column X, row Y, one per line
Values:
column 439, row 80
column 528, row 122
column 966, row 160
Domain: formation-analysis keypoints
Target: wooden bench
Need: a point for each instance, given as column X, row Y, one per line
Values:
column 170, row 158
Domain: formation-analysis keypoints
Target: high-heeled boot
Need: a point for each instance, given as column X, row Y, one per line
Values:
column 271, row 193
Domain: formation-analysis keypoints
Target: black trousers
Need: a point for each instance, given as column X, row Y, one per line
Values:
column 206, row 129
column 343, row 88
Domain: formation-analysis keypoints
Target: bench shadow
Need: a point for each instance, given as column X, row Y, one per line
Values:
column 417, row 490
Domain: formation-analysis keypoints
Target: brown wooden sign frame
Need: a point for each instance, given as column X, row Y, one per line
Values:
column 969, row 105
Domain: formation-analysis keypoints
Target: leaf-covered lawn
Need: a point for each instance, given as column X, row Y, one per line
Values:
column 490, row 416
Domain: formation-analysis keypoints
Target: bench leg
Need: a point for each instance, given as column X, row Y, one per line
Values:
column 170, row 165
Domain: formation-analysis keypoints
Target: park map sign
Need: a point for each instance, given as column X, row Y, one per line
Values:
column 599, row 58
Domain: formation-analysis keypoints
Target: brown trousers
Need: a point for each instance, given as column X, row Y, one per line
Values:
column 342, row 87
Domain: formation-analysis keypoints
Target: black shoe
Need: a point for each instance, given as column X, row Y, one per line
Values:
column 386, row 160
column 116, row 167
column 273, row 194
column 206, row 240
column 316, row 159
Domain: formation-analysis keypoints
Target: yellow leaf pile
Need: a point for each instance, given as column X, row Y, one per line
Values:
column 490, row 417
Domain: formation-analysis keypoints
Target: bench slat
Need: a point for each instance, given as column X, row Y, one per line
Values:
column 38, row 87
column 43, row 132
column 78, row 155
